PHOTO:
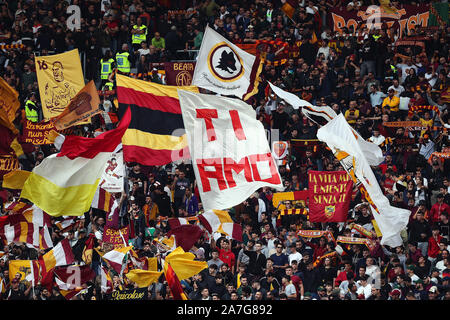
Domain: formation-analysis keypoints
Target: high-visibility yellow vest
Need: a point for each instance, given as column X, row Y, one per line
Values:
column 138, row 38
column 108, row 86
column 105, row 68
column 31, row 114
column 123, row 64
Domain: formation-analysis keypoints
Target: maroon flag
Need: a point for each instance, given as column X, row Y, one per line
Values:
column 186, row 235
column 329, row 195
column 179, row 73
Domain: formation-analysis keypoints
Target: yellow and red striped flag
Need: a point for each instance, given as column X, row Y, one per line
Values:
column 151, row 137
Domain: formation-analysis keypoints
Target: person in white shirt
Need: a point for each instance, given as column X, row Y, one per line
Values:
column 377, row 138
column 261, row 208
column 364, row 288
column 372, row 270
column 376, row 96
column 325, row 49
column 398, row 89
column 404, row 68
column 294, row 255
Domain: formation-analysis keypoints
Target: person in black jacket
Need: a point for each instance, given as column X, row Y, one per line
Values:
column 311, row 278
column 419, row 231
column 257, row 261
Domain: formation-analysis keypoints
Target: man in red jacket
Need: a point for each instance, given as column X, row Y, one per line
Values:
column 433, row 244
column 439, row 207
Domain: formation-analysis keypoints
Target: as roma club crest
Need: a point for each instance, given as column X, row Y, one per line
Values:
column 329, row 211
column 224, row 63
column 280, row 149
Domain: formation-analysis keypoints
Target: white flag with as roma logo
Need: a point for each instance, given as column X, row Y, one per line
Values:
column 226, row 69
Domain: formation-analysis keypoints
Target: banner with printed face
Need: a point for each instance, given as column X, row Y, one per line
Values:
column 81, row 108
column 229, row 149
column 37, row 133
column 226, row 69
column 179, row 73
column 116, row 237
column 405, row 18
column 60, row 78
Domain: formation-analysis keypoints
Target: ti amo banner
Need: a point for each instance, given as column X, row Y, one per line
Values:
column 329, row 195
column 134, row 294
column 405, row 18
column 179, row 73
column 116, row 237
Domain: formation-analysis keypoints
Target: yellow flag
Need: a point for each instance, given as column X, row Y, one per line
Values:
column 152, row 264
column 15, row 179
column 60, row 78
column 9, row 104
column 183, row 263
column 143, row 278
column 19, row 266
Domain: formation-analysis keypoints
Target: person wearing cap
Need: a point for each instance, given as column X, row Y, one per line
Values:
column 395, row 294
column 433, row 293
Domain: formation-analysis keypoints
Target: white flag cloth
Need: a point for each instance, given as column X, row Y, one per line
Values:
column 224, row 68
column 229, row 149
column 289, row 97
column 323, row 114
column 340, row 137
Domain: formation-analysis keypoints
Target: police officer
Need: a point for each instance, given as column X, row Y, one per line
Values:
column 31, row 108
column 106, row 67
column 138, row 34
column 123, row 60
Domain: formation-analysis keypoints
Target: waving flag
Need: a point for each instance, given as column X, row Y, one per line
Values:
column 65, row 183
column 183, row 263
column 45, row 240
column 106, row 281
column 229, row 149
column 143, row 278
column 103, row 200
column 186, row 235
column 70, row 285
column 344, row 143
column 60, row 255
column 115, row 258
column 155, row 135
column 224, row 68
column 21, row 232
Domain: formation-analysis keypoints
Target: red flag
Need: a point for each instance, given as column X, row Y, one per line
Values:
column 329, row 195
column 186, row 235
column 70, row 279
column 174, row 284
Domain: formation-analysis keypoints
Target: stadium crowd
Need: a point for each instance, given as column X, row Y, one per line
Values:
column 359, row 73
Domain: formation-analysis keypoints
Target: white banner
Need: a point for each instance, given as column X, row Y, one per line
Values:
column 229, row 149
column 345, row 144
column 112, row 176
column 224, row 68
column 289, row 97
